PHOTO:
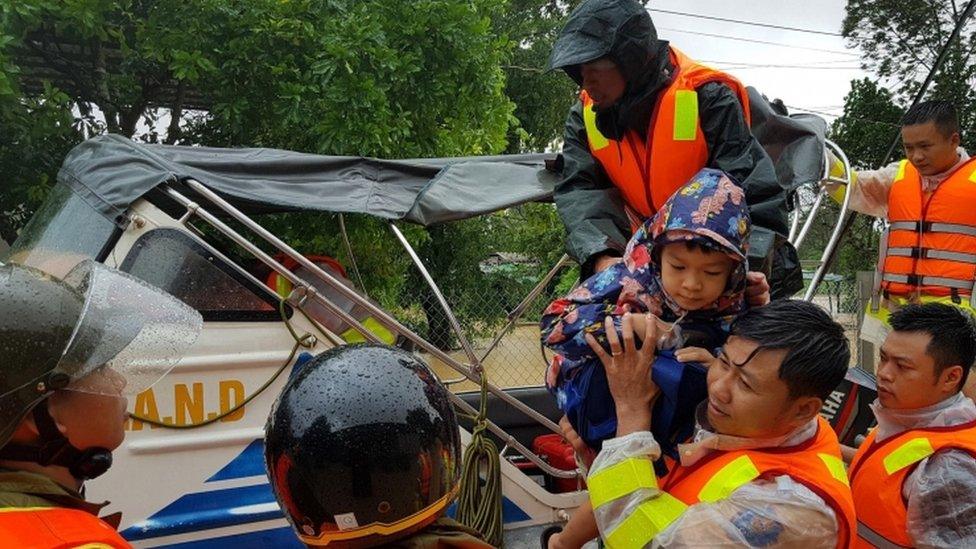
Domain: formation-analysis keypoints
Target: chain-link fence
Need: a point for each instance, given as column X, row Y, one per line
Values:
column 510, row 349
column 842, row 298
column 496, row 318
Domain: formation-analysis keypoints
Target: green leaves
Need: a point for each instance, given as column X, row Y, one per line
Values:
column 190, row 65
column 901, row 40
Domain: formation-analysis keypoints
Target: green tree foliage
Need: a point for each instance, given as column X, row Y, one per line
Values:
column 901, row 40
column 341, row 77
column 35, row 133
column 542, row 99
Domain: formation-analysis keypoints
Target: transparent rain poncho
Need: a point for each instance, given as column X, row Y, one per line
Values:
column 128, row 336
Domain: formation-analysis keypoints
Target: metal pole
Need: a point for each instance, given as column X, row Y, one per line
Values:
column 352, row 256
column 455, row 325
column 382, row 316
column 519, row 310
column 808, row 224
column 839, row 228
column 270, row 262
column 299, row 283
column 509, row 440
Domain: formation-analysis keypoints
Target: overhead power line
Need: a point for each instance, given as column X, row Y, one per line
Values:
column 831, row 63
column 741, row 22
column 846, row 117
column 741, row 67
column 754, row 41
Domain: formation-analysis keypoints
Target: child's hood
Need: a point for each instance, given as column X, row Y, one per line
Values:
column 710, row 209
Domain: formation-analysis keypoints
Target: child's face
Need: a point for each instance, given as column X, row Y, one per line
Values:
column 694, row 278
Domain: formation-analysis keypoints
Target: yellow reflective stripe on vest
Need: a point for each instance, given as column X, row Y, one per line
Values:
column 836, row 467
column 620, row 479
column 901, row 170
column 15, row 509
column 597, row 139
column 972, row 176
column 909, row 453
column 93, row 546
column 352, row 335
column 647, row 521
column 282, row 286
column 728, row 479
column 685, row 115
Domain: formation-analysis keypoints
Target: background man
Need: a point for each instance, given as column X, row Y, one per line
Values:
column 929, row 251
column 914, row 478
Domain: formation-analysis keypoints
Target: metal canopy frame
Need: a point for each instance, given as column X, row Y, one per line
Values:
column 472, row 370
column 803, row 221
column 303, row 291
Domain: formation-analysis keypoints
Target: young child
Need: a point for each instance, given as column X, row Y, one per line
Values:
column 686, row 266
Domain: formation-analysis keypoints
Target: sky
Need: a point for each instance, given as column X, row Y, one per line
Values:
column 816, row 77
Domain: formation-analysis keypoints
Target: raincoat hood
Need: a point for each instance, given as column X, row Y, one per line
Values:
column 623, row 31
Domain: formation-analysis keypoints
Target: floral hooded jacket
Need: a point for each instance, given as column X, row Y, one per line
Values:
column 710, row 210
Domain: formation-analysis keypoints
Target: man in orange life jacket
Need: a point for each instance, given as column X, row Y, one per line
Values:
column 70, row 350
column 929, row 251
column 914, row 477
column 648, row 119
column 764, row 469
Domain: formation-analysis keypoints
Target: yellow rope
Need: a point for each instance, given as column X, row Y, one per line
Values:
column 300, row 341
column 480, row 499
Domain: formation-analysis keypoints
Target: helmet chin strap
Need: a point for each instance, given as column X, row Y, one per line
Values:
column 55, row 449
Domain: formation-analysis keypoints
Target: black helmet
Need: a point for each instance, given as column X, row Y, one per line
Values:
column 56, row 333
column 362, row 447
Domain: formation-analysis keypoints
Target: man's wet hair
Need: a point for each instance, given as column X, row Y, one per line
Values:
column 942, row 113
column 817, row 351
column 953, row 332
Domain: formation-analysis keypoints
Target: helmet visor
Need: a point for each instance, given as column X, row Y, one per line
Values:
column 129, row 334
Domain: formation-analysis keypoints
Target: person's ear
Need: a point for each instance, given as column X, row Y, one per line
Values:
column 955, row 139
column 805, row 408
column 949, row 379
column 54, row 408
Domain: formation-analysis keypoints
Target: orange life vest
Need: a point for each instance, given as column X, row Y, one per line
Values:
column 648, row 173
column 816, row 464
column 931, row 245
column 879, row 471
column 56, row 528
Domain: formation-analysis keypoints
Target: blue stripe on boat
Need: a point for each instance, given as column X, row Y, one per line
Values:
column 206, row 510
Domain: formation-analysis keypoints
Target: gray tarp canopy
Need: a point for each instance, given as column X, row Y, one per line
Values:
column 111, row 172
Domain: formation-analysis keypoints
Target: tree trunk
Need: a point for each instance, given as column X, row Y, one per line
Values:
column 105, row 101
column 175, row 113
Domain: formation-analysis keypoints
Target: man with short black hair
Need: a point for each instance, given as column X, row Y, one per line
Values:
column 914, row 478
column 929, row 251
column 763, row 469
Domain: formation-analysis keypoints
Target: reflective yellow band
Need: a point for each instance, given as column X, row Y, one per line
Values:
column 730, row 478
column 282, row 286
column 836, row 467
column 597, row 139
column 93, row 546
column 352, row 335
column 837, row 195
column 647, row 521
column 685, row 115
column 972, row 176
column 901, row 170
column 911, row 452
column 621, row 479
